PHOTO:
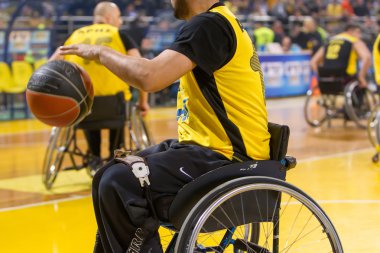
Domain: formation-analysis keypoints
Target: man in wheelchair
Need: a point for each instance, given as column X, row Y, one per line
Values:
column 111, row 94
column 221, row 115
column 338, row 59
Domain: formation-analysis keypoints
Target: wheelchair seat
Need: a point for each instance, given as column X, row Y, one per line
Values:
column 191, row 193
column 332, row 81
column 240, row 208
column 107, row 112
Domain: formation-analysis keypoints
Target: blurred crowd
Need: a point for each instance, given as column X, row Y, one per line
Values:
column 275, row 25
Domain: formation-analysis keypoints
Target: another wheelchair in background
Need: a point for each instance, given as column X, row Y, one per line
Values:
column 111, row 112
column 373, row 130
column 248, row 207
column 338, row 96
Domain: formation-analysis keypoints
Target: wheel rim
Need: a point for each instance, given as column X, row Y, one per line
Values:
column 359, row 106
column 315, row 108
column 308, row 231
column 54, row 154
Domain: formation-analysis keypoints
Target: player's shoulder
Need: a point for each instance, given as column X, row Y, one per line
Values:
column 206, row 19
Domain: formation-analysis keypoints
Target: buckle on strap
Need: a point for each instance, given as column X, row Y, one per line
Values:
column 139, row 167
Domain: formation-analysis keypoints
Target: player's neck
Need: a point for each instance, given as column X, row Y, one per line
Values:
column 199, row 7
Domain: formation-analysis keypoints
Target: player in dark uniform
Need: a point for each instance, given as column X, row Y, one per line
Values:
column 221, row 114
column 340, row 56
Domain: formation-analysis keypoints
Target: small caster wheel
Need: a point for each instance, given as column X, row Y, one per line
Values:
column 375, row 158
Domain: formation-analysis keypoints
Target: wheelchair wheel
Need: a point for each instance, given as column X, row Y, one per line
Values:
column 373, row 127
column 298, row 224
column 315, row 109
column 58, row 144
column 359, row 103
column 139, row 132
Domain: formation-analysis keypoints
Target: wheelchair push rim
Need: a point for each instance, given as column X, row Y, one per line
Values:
column 315, row 109
column 359, row 106
column 302, row 225
column 373, row 128
column 139, row 133
column 59, row 138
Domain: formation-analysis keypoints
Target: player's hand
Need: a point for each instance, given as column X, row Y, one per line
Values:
column 362, row 82
column 144, row 108
column 89, row 52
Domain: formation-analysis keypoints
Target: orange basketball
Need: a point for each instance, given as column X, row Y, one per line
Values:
column 60, row 93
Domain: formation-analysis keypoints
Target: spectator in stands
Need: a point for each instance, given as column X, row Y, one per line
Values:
column 279, row 10
column 348, row 11
column 262, row 36
column 334, row 10
column 278, row 30
column 309, row 38
column 288, row 46
column 360, row 8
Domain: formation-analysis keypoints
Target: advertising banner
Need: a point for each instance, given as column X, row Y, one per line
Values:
column 286, row 75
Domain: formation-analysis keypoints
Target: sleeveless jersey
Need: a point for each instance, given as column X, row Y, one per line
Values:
column 376, row 59
column 104, row 81
column 226, row 111
column 340, row 55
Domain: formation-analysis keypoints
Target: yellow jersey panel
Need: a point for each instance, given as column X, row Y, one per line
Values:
column 104, row 81
column 376, row 59
column 353, row 58
column 213, row 114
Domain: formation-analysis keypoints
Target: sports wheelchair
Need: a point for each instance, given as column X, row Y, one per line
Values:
column 111, row 112
column 248, row 207
column 373, row 130
column 338, row 96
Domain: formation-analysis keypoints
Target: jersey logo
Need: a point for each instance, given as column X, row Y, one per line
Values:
column 183, row 113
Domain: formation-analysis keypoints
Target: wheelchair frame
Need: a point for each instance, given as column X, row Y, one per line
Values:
column 63, row 141
column 326, row 96
column 209, row 207
column 373, row 130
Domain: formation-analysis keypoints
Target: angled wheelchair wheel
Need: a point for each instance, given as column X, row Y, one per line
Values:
column 373, row 127
column 289, row 220
column 315, row 109
column 359, row 103
column 58, row 144
column 373, row 130
column 139, row 132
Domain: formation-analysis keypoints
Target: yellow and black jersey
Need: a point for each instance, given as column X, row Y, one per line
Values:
column 340, row 55
column 376, row 59
column 221, row 102
column 104, row 81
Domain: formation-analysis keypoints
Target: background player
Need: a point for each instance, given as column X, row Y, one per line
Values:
column 105, row 31
column 340, row 55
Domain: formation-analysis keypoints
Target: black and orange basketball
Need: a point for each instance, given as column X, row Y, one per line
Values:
column 60, row 93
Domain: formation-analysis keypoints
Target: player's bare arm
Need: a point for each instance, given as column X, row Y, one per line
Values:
column 144, row 74
column 316, row 60
column 365, row 56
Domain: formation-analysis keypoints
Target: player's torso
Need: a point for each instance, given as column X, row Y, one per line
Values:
column 104, row 81
column 227, row 112
column 339, row 53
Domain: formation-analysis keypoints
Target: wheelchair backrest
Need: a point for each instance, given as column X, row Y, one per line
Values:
column 332, row 81
column 106, row 112
column 278, row 141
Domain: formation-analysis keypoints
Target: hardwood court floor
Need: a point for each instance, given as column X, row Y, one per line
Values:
column 334, row 167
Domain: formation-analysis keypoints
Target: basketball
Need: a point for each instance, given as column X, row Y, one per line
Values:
column 60, row 93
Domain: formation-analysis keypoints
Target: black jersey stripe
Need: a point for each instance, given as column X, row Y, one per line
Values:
column 209, row 90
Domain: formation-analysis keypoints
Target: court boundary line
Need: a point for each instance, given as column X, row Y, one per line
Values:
column 45, row 203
